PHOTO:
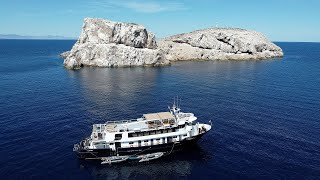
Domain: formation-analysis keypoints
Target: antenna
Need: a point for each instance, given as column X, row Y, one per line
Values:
column 177, row 101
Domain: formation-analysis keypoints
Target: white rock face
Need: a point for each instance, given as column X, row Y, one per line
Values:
column 64, row 54
column 112, row 55
column 113, row 44
column 219, row 44
column 102, row 31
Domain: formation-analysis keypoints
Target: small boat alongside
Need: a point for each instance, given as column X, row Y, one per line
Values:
column 144, row 139
column 139, row 158
column 149, row 157
column 113, row 159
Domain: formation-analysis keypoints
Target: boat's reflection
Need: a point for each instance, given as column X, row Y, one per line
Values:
column 112, row 93
column 176, row 165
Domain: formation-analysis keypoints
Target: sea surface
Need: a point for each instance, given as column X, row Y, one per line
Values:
column 265, row 114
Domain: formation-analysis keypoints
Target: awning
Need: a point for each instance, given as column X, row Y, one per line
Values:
column 158, row 116
column 165, row 115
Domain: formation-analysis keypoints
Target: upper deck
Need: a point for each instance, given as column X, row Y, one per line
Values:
column 147, row 122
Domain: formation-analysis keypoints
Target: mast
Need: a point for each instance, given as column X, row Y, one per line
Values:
column 177, row 101
column 175, row 107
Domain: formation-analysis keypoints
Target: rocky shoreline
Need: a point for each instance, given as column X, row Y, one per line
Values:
column 105, row 43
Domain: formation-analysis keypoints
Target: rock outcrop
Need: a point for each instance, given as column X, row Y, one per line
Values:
column 65, row 54
column 105, row 43
column 113, row 44
column 219, row 44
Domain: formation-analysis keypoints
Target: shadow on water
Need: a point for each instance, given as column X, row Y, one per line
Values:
column 176, row 165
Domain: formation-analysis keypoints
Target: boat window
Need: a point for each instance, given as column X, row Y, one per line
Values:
column 174, row 136
column 133, row 134
column 111, row 144
column 146, row 133
column 182, row 126
column 99, row 136
column 185, row 135
column 118, row 137
column 98, row 143
column 130, row 142
column 152, row 132
column 158, row 132
column 169, row 130
column 158, row 139
column 146, row 141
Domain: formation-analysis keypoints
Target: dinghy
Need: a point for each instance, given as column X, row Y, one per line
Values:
column 113, row 159
column 149, row 157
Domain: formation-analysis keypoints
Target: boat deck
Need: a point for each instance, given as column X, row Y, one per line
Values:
column 147, row 122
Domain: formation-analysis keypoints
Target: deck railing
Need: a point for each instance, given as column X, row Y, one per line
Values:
column 152, row 127
column 184, row 115
column 122, row 121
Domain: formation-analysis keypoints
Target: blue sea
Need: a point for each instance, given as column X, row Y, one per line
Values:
column 265, row 114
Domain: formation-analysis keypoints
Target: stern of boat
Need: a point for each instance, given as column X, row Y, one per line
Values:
column 81, row 148
column 77, row 147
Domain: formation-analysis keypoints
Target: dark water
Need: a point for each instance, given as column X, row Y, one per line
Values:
column 265, row 113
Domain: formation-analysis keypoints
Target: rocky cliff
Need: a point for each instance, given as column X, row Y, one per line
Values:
column 219, row 44
column 113, row 44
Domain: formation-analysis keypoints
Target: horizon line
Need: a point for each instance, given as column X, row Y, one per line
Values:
column 61, row 37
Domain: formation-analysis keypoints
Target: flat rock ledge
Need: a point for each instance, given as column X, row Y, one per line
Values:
column 105, row 43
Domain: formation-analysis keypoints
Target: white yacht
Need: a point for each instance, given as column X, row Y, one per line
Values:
column 155, row 132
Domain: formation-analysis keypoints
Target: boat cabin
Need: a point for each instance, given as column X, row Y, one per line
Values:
column 156, row 120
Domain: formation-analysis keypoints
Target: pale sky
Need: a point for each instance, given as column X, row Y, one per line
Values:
column 279, row 20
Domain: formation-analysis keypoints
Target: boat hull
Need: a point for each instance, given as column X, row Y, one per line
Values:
column 168, row 148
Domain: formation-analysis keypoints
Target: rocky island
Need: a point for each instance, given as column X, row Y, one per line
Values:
column 219, row 44
column 105, row 43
